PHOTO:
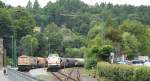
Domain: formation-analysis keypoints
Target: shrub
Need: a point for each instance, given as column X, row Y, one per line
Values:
column 113, row 72
column 90, row 63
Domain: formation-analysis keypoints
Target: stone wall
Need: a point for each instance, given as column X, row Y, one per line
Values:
column 1, row 53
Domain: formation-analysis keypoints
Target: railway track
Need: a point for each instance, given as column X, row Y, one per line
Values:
column 73, row 75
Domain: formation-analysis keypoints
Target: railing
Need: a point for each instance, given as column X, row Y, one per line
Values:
column 18, row 76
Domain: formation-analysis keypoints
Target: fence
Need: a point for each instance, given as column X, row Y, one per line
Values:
column 18, row 76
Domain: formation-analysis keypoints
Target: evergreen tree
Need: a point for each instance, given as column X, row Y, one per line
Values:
column 36, row 5
column 29, row 5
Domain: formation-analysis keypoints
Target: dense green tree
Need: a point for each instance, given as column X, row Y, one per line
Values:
column 130, row 45
column 36, row 5
column 54, row 37
column 123, row 27
column 141, row 33
column 29, row 5
column 22, row 22
column 104, row 52
column 2, row 5
column 113, row 35
column 6, row 28
column 43, row 44
column 29, row 44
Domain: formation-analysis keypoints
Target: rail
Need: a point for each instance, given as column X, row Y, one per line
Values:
column 18, row 76
column 67, row 76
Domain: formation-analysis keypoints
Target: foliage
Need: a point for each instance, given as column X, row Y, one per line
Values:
column 36, row 5
column 29, row 44
column 2, row 5
column 68, row 25
column 90, row 63
column 104, row 52
column 130, row 44
column 113, row 35
column 29, row 5
column 122, row 72
column 54, row 37
column 73, row 53
column 5, row 23
column 23, row 22
column 140, row 32
column 42, row 46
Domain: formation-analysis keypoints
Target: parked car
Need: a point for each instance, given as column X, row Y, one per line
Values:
column 137, row 63
column 121, row 62
column 147, row 64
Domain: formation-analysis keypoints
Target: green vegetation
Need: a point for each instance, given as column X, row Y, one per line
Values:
column 75, row 29
column 116, row 72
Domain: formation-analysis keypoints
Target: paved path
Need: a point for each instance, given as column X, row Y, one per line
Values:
column 3, row 77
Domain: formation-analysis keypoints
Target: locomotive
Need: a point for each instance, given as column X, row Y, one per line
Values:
column 26, row 63
column 54, row 61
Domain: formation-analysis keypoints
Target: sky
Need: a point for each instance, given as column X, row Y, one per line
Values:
column 90, row 2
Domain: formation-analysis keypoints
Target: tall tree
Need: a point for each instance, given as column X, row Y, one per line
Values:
column 22, row 21
column 6, row 28
column 2, row 5
column 54, row 37
column 36, row 5
column 29, row 5
column 29, row 44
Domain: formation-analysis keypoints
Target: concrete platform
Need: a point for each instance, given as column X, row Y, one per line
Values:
column 3, row 77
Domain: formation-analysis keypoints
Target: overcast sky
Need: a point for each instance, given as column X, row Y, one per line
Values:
column 91, row 2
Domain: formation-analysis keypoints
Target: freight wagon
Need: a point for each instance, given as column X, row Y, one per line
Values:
column 41, row 62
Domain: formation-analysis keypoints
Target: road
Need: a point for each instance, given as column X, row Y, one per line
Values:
column 3, row 77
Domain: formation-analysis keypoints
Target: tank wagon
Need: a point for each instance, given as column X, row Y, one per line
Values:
column 64, row 63
column 79, row 61
column 72, row 62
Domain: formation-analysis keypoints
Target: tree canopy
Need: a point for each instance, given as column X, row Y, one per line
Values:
column 69, row 26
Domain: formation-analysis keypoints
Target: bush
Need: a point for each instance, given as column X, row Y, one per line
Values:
column 113, row 72
column 90, row 63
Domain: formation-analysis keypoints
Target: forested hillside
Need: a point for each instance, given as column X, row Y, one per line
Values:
column 75, row 29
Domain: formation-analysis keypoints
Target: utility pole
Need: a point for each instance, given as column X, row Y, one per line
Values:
column 12, row 50
column 31, row 49
column 48, row 45
column 14, row 53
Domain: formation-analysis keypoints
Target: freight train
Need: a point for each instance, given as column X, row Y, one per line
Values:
column 53, row 61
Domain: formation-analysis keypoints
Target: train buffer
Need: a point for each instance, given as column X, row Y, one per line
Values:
column 3, row 77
